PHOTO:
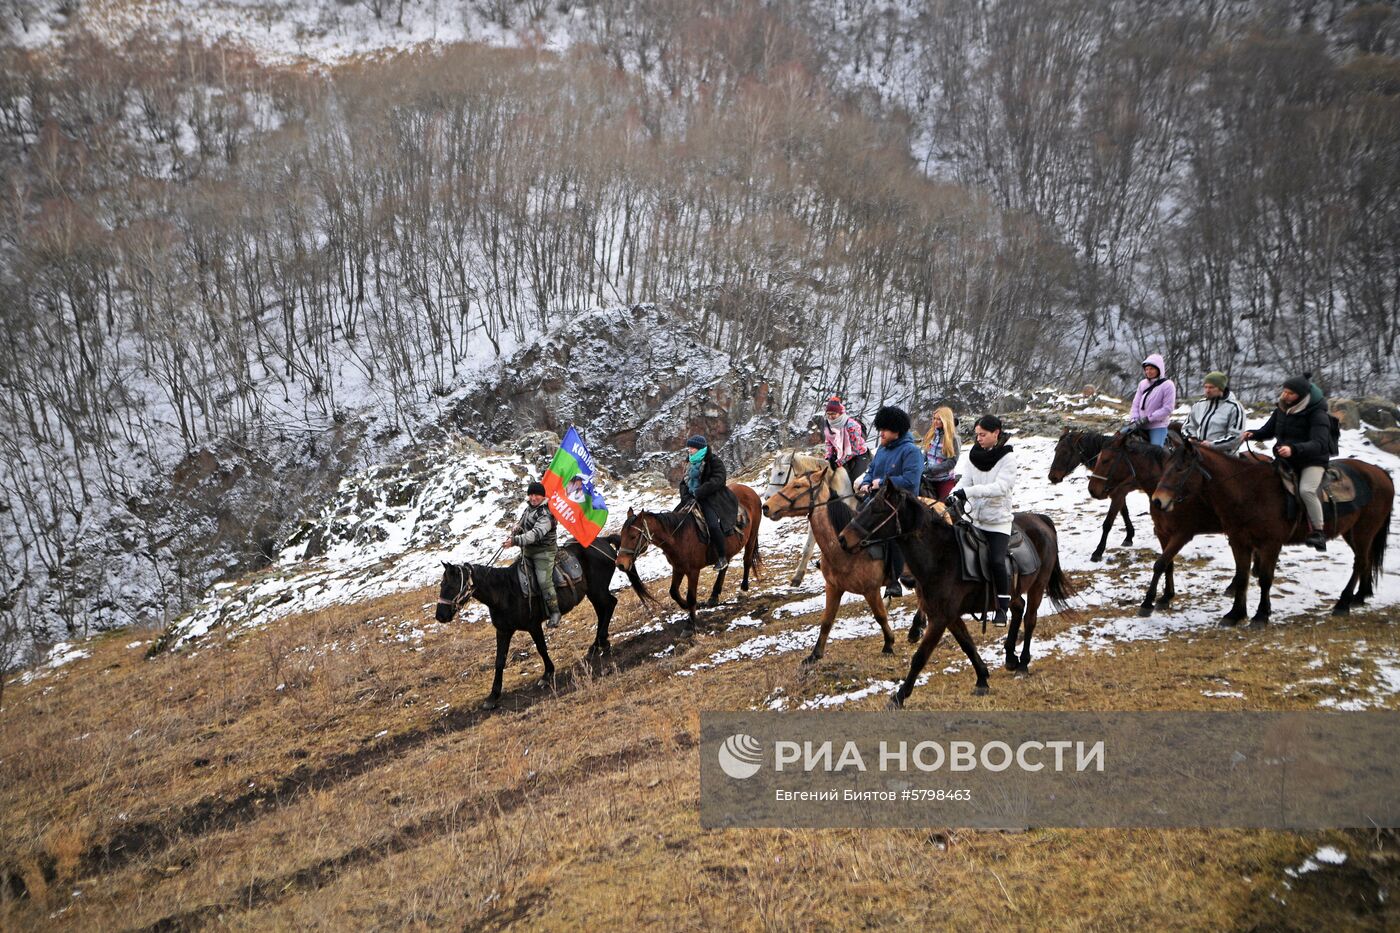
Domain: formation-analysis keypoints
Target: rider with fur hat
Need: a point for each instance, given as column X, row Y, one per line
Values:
column 898, row 461
column 534, row 534
column 1303, row 430
column 845, row 440
column 706, row 481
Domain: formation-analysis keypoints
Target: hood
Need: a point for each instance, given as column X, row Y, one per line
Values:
column 1155, row 359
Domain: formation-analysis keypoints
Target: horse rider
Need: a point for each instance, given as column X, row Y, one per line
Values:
column 706, row 482
column 534, row 534
column 845, row 440
column 1153, row 402
column 900, row 462
column 985, row 490
column 941, row 451
column 1303, row 431
column 1219, row 418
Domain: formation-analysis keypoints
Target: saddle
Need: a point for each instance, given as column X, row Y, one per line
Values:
column 975, row 563
column 1341, row 489
column 568, row 573
column 692, row 508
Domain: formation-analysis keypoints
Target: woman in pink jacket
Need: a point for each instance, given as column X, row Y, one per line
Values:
column 1153, row 402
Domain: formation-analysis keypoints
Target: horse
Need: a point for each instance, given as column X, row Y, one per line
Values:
column 498, row 589
column 1251, row 503
column 932, row 552
column 810, row 487
column 1081, row 448
column 1128, row 463
column 779, row 476
column 677, row 535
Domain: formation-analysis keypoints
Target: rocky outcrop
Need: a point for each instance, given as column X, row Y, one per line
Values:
column 636, row 382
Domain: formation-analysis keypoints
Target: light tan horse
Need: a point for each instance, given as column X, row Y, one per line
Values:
column 799, row 485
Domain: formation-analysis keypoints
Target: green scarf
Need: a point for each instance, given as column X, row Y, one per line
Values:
column 697, row 463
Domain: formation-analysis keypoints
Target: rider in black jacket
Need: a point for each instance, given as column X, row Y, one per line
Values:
column 1303, row 432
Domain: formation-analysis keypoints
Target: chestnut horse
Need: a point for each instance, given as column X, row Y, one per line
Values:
column 813, row 489
column 1128, row 462
column 677, row 535
column 1251, row 504
column 1081, row 448
column 932, row 552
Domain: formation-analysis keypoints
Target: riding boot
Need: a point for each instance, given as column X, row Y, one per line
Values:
column 1316, row 538
column 1003, row 603
column 894, row 570
column 553, row 616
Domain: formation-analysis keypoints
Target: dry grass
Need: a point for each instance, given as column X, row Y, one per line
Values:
column 368, row 790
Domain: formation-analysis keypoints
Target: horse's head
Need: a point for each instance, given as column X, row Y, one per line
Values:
column 458, row 584
column 799, row 495
column 1182, row 476
column 635, row 538
column 1112, row 468
column 885, row 516
column 1068, row 455
column 780, row 473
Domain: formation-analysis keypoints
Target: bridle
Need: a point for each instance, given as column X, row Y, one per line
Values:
column 866, row 539
column 643, row 541
column 809, row 494
column 1175, row 489
column 464, row 590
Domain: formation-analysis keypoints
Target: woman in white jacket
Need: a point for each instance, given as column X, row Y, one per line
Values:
column 986, row 489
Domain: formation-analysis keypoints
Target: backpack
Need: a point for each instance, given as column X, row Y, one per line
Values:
column 1335, row 434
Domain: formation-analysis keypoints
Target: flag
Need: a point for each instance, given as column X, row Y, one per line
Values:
column 568, row 486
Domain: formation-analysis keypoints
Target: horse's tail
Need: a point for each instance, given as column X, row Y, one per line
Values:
column 1378, row 550
column 639, row 587
column 1059, row 588
column 752, row 559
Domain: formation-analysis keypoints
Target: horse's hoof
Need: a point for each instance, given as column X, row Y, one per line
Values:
column 811, row 659
column 711, row 603
column 981, row 690
column 1228, row 621
column 490, row 705
column 1258, row 621
column 888, row 649
column 1341, row 610
column 1012, row 664
column 1144, row 612
column 1096, row 556
column 1024, row 669
column 896, row 701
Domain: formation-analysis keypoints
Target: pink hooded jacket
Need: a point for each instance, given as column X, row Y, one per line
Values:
column 1154, row 401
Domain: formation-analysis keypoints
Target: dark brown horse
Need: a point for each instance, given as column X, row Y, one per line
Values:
column 814, row 490
column 1081, row 448
column 678, row 537
column 1252, row 505
column 498, row 589
column 931, row 551
column 1128, row 462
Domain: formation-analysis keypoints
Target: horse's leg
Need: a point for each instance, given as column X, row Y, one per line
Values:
column 502, row 646
column 917, row 662
column 1033, row 600
column 1268, row 560
column 1358, row 572
column 1160, row 567
column 1127, row 522
column 537, row 633
column 1113, row 507
column 750, row 552
column 604, row 605
column 1239, row 608
column 1243, row 558
column 1018, row 611
column 833, row 604
column 916, row 627
column 959, row 630
column 882, row 615
column 692, row 580
column 1169, row 590
column 719, row 585
column 806, row 556
column 676, row 576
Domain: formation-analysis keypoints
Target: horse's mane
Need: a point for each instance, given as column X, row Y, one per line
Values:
column 838, row 481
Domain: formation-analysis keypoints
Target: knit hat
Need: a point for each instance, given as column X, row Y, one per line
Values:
column 834, row 405
column 536, row 488
column 1298, row 385
column 890, row 418
column 697, row 441
column 1218, row 379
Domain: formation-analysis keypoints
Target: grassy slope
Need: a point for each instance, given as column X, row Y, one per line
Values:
column 369, row 789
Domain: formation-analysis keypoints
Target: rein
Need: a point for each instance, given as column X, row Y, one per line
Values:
column 643, row 541
column 866, row 540
column 809, row 493
column 464, row 590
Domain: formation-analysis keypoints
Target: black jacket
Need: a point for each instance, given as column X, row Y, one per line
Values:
column 1309, row 433
column 713, row 492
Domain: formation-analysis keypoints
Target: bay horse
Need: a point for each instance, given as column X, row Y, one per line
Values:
column 498, row 589
column 1081, row 448
column 1127, row 461
column 678, row 537
column 1251, row 503
column 932, row 553
column 813, row 489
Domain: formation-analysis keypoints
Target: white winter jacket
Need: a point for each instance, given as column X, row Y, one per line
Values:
column 989, row 494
